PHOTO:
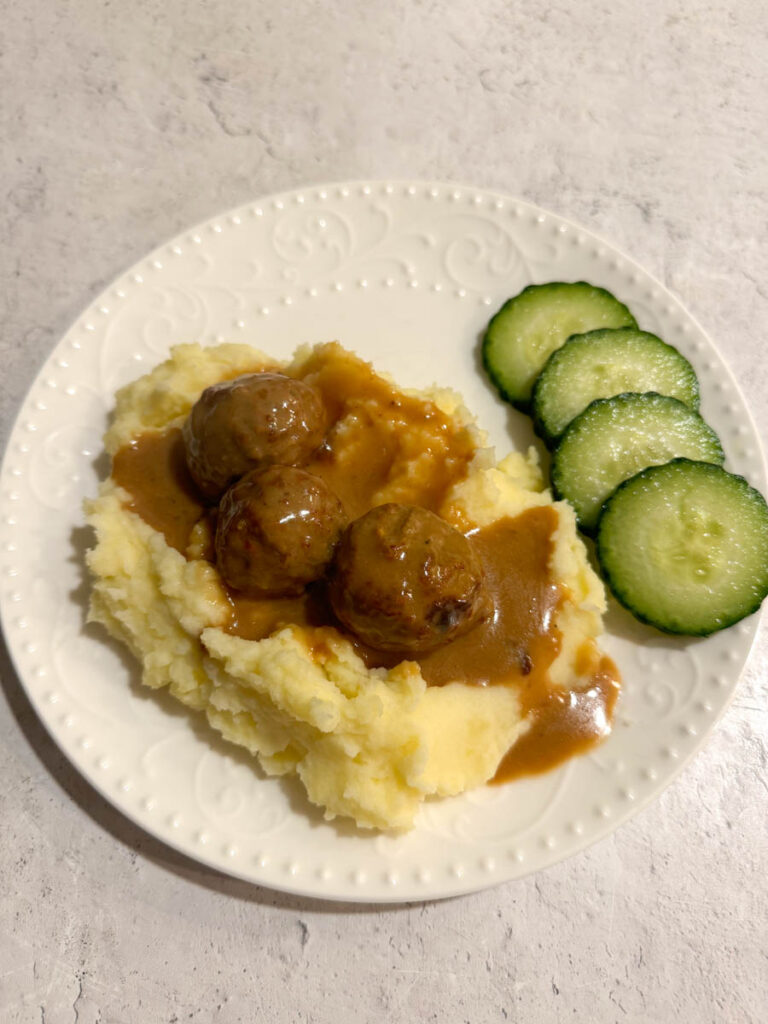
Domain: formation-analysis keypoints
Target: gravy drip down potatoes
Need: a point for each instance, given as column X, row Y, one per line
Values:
column 372, row 725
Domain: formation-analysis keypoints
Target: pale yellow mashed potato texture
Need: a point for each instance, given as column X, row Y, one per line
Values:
column 368, row 744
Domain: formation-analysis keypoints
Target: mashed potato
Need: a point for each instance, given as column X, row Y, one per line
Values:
column 367, row 743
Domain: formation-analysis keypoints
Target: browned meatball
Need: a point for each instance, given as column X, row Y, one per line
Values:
column 250, row 423
column 405, row 580
column 277, row 530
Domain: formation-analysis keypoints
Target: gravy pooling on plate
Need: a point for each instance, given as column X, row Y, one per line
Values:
column 382, row 445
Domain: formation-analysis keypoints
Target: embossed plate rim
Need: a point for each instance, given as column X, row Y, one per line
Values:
column 376, row 870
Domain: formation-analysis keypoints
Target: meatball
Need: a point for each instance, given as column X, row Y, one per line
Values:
column 277, row 530
column 405, row 580
column 250, row 423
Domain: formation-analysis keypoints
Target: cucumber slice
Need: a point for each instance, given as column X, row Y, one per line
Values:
column 603, row 363
column 529, row 327
column 684, row 547
column 614, row 438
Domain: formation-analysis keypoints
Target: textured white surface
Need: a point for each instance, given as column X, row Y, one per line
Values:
column 648, row 124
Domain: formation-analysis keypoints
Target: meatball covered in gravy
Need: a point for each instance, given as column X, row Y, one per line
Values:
column 405, row 580
column 249, row 423
column 277, row 530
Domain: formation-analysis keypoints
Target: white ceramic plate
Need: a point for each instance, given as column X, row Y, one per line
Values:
column 407, row 275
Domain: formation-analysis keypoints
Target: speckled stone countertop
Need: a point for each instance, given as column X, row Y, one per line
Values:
column 123, row 125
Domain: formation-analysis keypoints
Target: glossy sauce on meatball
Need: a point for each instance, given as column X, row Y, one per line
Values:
column 277, row 531
column 254, row 421
column 405, row 580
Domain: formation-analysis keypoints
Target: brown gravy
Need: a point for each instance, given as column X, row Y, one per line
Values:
column 374, row 432
column 563, row 723
column 519, row 643
column 153, row 470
